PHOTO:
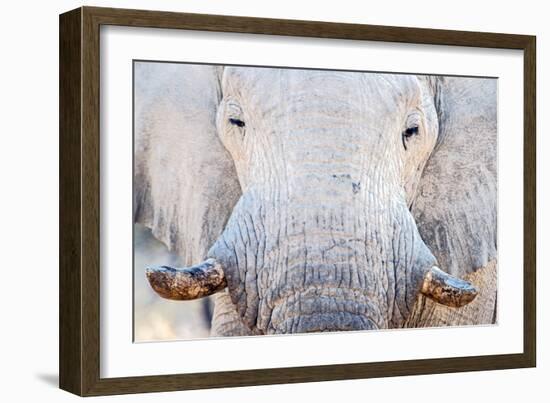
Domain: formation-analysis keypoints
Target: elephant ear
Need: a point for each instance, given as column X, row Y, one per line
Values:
column 456, row 203
column 185, row 184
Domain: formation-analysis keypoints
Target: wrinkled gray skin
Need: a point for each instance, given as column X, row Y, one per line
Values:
column 323, row 216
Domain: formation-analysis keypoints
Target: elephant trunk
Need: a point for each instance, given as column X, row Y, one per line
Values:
column 304, row 267
column 330, row 247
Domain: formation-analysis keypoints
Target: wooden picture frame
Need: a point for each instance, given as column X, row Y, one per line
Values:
column 80, row 184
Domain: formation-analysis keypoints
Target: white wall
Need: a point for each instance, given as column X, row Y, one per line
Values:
column 29, row 203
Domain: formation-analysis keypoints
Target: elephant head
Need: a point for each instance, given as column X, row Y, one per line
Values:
column 322, row 200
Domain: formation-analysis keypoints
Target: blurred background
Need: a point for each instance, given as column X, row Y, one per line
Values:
column 156, row 318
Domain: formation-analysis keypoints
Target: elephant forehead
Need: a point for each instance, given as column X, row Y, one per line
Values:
column 387, row 90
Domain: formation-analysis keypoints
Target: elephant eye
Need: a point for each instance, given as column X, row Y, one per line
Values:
column 407, row 134
column 236, row 122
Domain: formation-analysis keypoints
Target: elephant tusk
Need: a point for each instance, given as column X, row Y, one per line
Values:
column 446, row 289
column 188, row 283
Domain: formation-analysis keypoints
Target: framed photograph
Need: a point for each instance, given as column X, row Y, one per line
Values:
column 249, row 201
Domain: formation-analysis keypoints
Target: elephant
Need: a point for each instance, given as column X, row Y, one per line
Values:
column 312, row 200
